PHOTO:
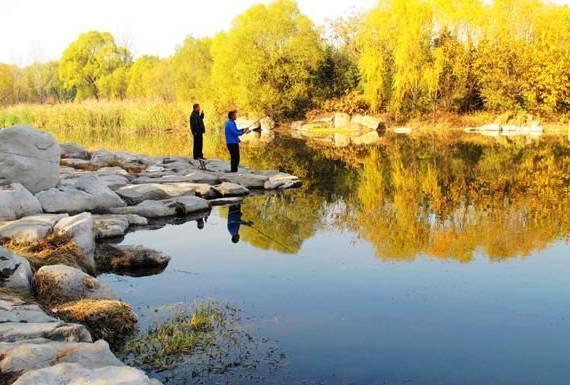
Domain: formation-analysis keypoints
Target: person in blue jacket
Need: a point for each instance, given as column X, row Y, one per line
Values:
column 232, row 139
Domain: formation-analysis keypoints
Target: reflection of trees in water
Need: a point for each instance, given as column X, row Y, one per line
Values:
column 281, row 221
column 450, row 200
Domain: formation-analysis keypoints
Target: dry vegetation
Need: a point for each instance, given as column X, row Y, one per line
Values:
column 108, row 319
column 52, row 250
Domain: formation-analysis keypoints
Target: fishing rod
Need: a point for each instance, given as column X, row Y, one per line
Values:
column 250, row 224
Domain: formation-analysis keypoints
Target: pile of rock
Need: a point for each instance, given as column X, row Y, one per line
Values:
column 341, row 120
column 38, row 348
column 123, row 189
column 65, row 192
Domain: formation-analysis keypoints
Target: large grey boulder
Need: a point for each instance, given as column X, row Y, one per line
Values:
column 17, row 202
column 85, row 193
column 75, row 374
column 60, row 284
column 80, row 229
column 29, row 157
column 30, row 229
column 15, row 271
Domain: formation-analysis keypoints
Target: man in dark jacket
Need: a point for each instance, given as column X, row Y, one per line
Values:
column 198, row 130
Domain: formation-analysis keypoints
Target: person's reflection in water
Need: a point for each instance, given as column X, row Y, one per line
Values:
column 201, row 222
column 234, row 222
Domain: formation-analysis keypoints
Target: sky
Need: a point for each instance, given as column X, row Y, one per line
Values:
column 40, row 30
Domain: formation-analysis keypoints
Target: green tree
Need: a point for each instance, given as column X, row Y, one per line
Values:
column 268, row 61
column 89, row 60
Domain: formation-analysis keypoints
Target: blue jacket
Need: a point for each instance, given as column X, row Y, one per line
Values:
column 232, row 132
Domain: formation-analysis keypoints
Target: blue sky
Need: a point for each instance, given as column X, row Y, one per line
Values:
column 39, row 30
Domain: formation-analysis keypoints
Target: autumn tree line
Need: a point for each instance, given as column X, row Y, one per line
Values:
column 403, row 57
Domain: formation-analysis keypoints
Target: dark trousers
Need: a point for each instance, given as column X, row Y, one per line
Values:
column 198, row 145
column 233, row 148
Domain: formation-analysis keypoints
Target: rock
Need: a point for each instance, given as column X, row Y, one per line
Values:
column 57, row 284
column 30, row 229
column 108, row 226
column 87, row 193
column 341, row 120
column 80, row 229
column 147, row 209
column 125, row 160
column 23, row 357
column 114, row 182
column 225, row 201
column 107, row 171
column 74, row 151
column 193, row 177
column 65, row 199
column 54, row 331
column 267, row 124
column 77, row 164
column 366, row 121
column 244, row 122
column 134, row 194
column 103, row 197
column 14, row 309
column 282, row 181
column 227, row 189
column 123, row 258
column 186, row 205
column 29, row 157
column 15, row 271
column 75, row 374
column 250, row 181
column 17, row 202
column 109, row 319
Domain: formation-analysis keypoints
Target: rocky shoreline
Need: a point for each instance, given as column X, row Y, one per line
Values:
column 57, row 203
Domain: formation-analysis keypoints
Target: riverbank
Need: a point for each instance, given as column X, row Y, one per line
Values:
column 58, row 206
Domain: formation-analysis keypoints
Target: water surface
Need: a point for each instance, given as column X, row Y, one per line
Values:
column 416, row 261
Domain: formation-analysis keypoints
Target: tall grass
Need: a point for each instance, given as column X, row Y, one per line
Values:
column 142, row 117
column 147, row 127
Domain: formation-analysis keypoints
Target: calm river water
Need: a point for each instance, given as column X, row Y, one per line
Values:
column 417, row 261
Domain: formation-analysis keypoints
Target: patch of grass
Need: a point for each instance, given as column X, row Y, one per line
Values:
column 111, row 320
column 52, row 250
column 202, row 343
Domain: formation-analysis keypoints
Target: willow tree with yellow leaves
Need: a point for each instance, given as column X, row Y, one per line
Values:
column 421, row 55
